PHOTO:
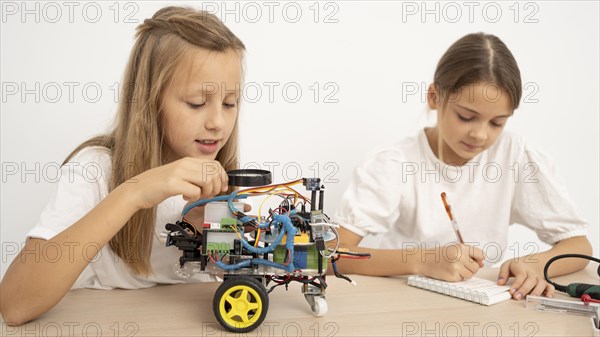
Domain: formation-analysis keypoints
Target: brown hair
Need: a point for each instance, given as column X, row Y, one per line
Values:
column 476, row 58
column 136, row 141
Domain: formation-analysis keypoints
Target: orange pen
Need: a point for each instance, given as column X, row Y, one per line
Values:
column 452, row 218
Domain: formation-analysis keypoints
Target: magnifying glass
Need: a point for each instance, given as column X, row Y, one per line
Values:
column 249, row 177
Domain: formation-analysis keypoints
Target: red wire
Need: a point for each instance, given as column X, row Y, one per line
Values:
column 215, row 258
column 354, row 257
column 588, row 299
column 289, row 259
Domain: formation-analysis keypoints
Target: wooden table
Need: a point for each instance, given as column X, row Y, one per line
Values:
column 376, row 306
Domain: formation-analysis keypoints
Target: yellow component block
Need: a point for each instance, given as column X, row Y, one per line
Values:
column 298, row 238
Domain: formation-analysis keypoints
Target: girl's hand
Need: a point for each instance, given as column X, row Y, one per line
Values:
column 191, row 177
column 527, row 279
column 456, row 262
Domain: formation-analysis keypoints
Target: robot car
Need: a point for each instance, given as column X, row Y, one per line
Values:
column 256, row 253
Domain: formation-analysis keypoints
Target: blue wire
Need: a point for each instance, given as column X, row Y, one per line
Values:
column 218, row 198
column 239, row 265
column 288, row 228
column 247, row 263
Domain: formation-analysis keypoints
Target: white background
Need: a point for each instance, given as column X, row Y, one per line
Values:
column 367, row 58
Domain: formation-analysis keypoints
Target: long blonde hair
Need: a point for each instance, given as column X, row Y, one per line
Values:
column 476, row 58
column 136, row 141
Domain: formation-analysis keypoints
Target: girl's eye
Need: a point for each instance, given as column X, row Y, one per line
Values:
column 229, row 105
column 195, row 106
column 464, row 119
column 497, row 125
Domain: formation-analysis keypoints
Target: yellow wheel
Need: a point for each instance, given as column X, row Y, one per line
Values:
column 240, row 304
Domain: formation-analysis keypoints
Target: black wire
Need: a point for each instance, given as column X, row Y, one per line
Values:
column 273, row 287
column 338, row 274
column 563, row 256
column 322, row 282
column 354, row 254
column 286, row 281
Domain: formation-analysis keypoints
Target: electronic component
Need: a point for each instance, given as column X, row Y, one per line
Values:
column 562, row 306
column 288, row 244
column 546, row 304
column 587, row 292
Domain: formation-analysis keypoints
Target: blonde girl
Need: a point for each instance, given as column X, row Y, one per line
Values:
column 175, row 135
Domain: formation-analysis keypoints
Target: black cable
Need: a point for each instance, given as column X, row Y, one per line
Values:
column 338, row 274
column 275, row 286
column 559, row 287
column 355, row 254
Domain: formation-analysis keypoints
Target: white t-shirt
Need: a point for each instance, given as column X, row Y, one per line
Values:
column 397, row 191
column 83, row 184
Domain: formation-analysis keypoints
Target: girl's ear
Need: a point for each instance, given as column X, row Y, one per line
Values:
column 432, row 97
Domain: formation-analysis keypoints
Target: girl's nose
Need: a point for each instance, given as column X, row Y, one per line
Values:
column 478, row 132
column 214, row 118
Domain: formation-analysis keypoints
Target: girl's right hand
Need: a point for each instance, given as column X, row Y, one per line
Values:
column 191, row 177
column 456, row 262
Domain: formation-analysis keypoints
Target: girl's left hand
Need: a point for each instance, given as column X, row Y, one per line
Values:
column 527, row 279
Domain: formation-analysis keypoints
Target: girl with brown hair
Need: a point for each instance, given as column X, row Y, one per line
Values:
column 493, row 178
